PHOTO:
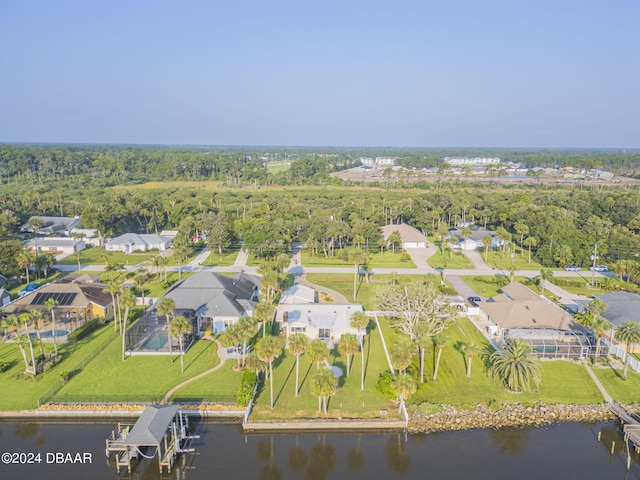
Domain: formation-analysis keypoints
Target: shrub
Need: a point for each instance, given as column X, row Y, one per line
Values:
column 64, row 376
column 405, row 257
column 85, row 330
column 244, row 395
column 4, row 366
column 384, row 385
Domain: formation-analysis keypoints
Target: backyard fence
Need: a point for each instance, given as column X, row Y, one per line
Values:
column 620, row 352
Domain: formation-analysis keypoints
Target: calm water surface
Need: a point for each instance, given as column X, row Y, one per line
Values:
column 566, row 451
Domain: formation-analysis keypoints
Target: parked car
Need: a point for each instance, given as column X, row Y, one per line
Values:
column 28, row 289
column 473, row 300
column 599, row 268
column 572, row 268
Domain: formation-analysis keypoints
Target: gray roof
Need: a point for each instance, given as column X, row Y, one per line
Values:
column 152, row 425
column 139, row 239
column 212, row 294
column 621, row 307
column 4, row 293
column 52, row 224
column 52, row 242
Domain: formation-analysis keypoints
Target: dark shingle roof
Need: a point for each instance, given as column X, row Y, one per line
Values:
column 621, row 307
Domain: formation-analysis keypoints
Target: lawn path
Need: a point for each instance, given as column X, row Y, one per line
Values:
column 222, row 355
column 596, row 380
column 339, row 299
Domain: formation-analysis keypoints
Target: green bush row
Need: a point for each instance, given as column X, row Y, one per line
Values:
column 246, row 389
column 85, row 329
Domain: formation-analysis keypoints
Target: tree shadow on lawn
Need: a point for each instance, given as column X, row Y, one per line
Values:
column 304, row 378
column 286, row 380
column 615, row 371
column 193, row 360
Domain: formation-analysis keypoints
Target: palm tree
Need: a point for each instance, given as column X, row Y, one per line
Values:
column 255, row 364
column 297, row 344
column 50, row 304
column 516, row 366
column 128, row 300
column 439, row 340
column 545, row 276
column 113, row 289
column 401, row 354
column 165, row 308
column 487, row 241
column 468, row 349
column 629, row 333
column 358, row 257
column 269, row 349
column 25, row 318
column 231, row 338
column 403, row 385
column 78, row 257
column 25, row 260
column 360, row 321
column 423, row 340
column 36, row 316
column 530, row 242
column 139, row 281
column 21, row 341
column 246, row 330
column 323, row 385
column 348, row 346
column 263, row 313
column 178, row 328
column 318, row 352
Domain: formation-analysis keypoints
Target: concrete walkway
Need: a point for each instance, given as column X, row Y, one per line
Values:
column 607, row 398
column 222, row 355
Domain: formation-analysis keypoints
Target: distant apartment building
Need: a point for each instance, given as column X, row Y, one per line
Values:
column 472, row 161
column 367, row 161
column 387, row 161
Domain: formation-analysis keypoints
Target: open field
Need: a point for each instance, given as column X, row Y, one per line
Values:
column 624, row 391
column 377, row 259
column 452, row 259
column 213, row 260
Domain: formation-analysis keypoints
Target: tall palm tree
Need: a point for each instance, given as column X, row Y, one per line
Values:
column 545, row 276
column 263, row 313
column 178, row 328
column 297, row 344
column 231, row 338
column 468, row 349
column 128, row 301
column 439, row 340
column 323, row 385
column 269, row 349
column 629, row 333
column 25, row 260
column 246, row 330
column 401, row 354
column 165, row 308
column 358, row 257
column 113, row 289
column 360, row 321
column 487, row 241
column 21, row 341
column 516, row 366
column 318, row 352
column 139, row 281
column 36, row 316
column 25, row 319
column 403, row 385
column 423, row 340
column 50, row 304
column 348, row 346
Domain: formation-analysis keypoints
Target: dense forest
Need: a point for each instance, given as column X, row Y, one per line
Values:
column 103, row 185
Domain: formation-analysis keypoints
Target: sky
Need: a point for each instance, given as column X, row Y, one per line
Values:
column 447, row 73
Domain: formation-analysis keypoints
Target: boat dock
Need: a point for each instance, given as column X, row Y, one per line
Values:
column 161, row 431
column 630, row 424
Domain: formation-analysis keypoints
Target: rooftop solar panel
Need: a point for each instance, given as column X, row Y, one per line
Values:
column 61, row 298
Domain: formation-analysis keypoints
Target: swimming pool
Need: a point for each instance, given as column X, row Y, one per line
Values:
column 156, row 341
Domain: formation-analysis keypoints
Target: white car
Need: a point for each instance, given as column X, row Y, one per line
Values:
column 572, row 268
column 599, row 268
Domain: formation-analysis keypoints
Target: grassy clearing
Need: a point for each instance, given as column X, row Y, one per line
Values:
column 21, row 393
column 223, row 382
column 96, row 256
column 488, row 286
column 377, row 259
column 366, row 292
column 562, row 381
column 453, row 260
column 213, row 260
column 348, row 402
column 504, row 262
column 624, row 391
column 109, row 376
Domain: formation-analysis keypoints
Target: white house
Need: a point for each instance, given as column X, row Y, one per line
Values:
column 474, row 241
column 55, row 245
column 138, row 242
column 89, row 236
column 328, row 322
column 410, row 237
column 49, row 225
column 298, row 294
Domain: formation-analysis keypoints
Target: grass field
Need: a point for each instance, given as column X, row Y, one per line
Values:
column 96, row 256
column 488, row 287
column 504, row 262
column 624, row 391
column 223, row 382
column 213, row 260
column 348, row 402
column 377, row 259
column 454, row 260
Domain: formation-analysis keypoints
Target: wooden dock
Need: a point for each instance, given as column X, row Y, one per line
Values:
column 630, row 424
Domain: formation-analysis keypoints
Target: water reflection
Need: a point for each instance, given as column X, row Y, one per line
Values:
column 510, row 441
column 297, row 458
column 355, row 459
column 399, row 461
column 322, row 459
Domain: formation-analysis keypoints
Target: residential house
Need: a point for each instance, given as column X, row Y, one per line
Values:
column 298, row 294
column 621, row 307
column 50, row 225
column 215, row 301
column 474, row 241
column 76, row 301
column 54, row 245
column 326, row 321
column 88, row 235
column 138, row 242
column 4, row 281
column 5, row 297
column 519, row 312
column 410, row 237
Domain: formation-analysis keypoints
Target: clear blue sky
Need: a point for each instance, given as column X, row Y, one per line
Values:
column 426, row 73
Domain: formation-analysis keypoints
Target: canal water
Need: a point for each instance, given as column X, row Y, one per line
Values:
column 564, row 451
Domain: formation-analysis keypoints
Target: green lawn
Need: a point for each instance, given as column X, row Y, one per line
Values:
column 454, row 260
column 138, row 376
column 348, row 402
column 213, row 260
column 488, row 287
column 224, row 382
column 624, row 391
column 96, row 256
column 376, row 260
column 562, row 381
column 366, row 292
column 18, row 394
column 504, row 262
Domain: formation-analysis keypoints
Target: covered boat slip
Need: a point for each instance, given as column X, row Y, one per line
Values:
column 161, row 432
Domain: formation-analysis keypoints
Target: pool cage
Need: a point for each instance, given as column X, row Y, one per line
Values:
column 554, row 343
column 150, row 334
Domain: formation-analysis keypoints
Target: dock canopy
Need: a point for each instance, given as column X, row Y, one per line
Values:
column 152, row 425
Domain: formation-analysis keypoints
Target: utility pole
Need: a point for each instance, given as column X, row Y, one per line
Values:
column 594, row 257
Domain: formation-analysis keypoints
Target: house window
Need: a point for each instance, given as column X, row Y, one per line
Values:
column 324, row 333
column 228, row 323
column 298, row 329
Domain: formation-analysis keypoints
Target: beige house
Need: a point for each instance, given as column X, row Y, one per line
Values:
column 409, row 236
